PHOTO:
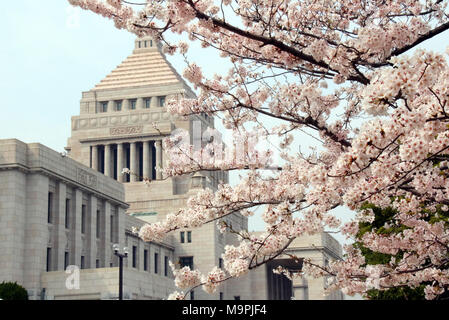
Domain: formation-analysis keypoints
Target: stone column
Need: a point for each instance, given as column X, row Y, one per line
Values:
column 61, row 195
column 125, row 105
column 163, row 160
column 107, row 160
column 36, row 233
column 92, row 233
column 111, row 106
column 13, row 213
column 140, row 248
column 120, row 162
column 106, row 239
column 146, row 160
column 139, row 103
column 150, row 159
column 133, row 160
column 158, row 145
column 75, row 257
column 95, row 158
column 154, row 102
column 120, row 222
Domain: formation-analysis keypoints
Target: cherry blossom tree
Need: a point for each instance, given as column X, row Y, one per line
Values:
column 347, row 72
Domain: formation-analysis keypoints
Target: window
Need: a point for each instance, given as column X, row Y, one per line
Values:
column 147, row 103
column 161, row 101
column 186, row 262
column 97, row 263
column 134, row 257
column 220, row 262
column 67, row 213
column 145, row 43
column 103, row 106
column 140, row 45
column 151, row 43
column 66, row 260
column 132, row 104
column 145, row 260
column 166, row 266
column 98, row 224
column 221, row 295
column 50, row 207
column 83, row 218
column 236, row 297
column 156, row 262
column 48, row 259
column 182, row 237
column 118, row 105
column 192, row 295
column 82, row 262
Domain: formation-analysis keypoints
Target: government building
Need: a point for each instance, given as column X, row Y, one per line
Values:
column 62, row 213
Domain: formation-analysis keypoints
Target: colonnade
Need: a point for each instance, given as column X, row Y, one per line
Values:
column 140, row 157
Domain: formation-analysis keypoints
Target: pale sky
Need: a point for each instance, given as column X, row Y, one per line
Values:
column 52, row 52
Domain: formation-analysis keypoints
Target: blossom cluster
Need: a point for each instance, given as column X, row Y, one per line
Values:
column 213, row 280
column 342, row 73
column 186, row 278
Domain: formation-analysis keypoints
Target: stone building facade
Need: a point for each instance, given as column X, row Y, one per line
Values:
column 56, row 212
column 320, row 249
column 121, row 124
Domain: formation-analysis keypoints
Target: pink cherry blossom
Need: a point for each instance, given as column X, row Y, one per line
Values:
column 341, row 72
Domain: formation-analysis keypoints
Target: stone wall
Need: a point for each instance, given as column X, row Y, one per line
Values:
column 103, row 283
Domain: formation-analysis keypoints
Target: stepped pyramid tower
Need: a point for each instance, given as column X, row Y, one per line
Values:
column 121, row 124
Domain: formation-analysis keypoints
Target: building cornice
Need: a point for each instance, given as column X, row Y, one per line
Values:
column 70, row 182
column 315, row 248
column 157, row 243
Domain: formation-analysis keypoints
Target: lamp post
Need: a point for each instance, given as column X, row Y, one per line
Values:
column 120, row 279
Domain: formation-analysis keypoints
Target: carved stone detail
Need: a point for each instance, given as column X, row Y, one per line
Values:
column 125, row 130
column 84, row 177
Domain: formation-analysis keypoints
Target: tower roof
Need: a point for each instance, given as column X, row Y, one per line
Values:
column 147, row 65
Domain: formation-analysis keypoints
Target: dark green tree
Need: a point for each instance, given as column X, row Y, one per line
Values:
column 387, row 215
column 12, row 291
